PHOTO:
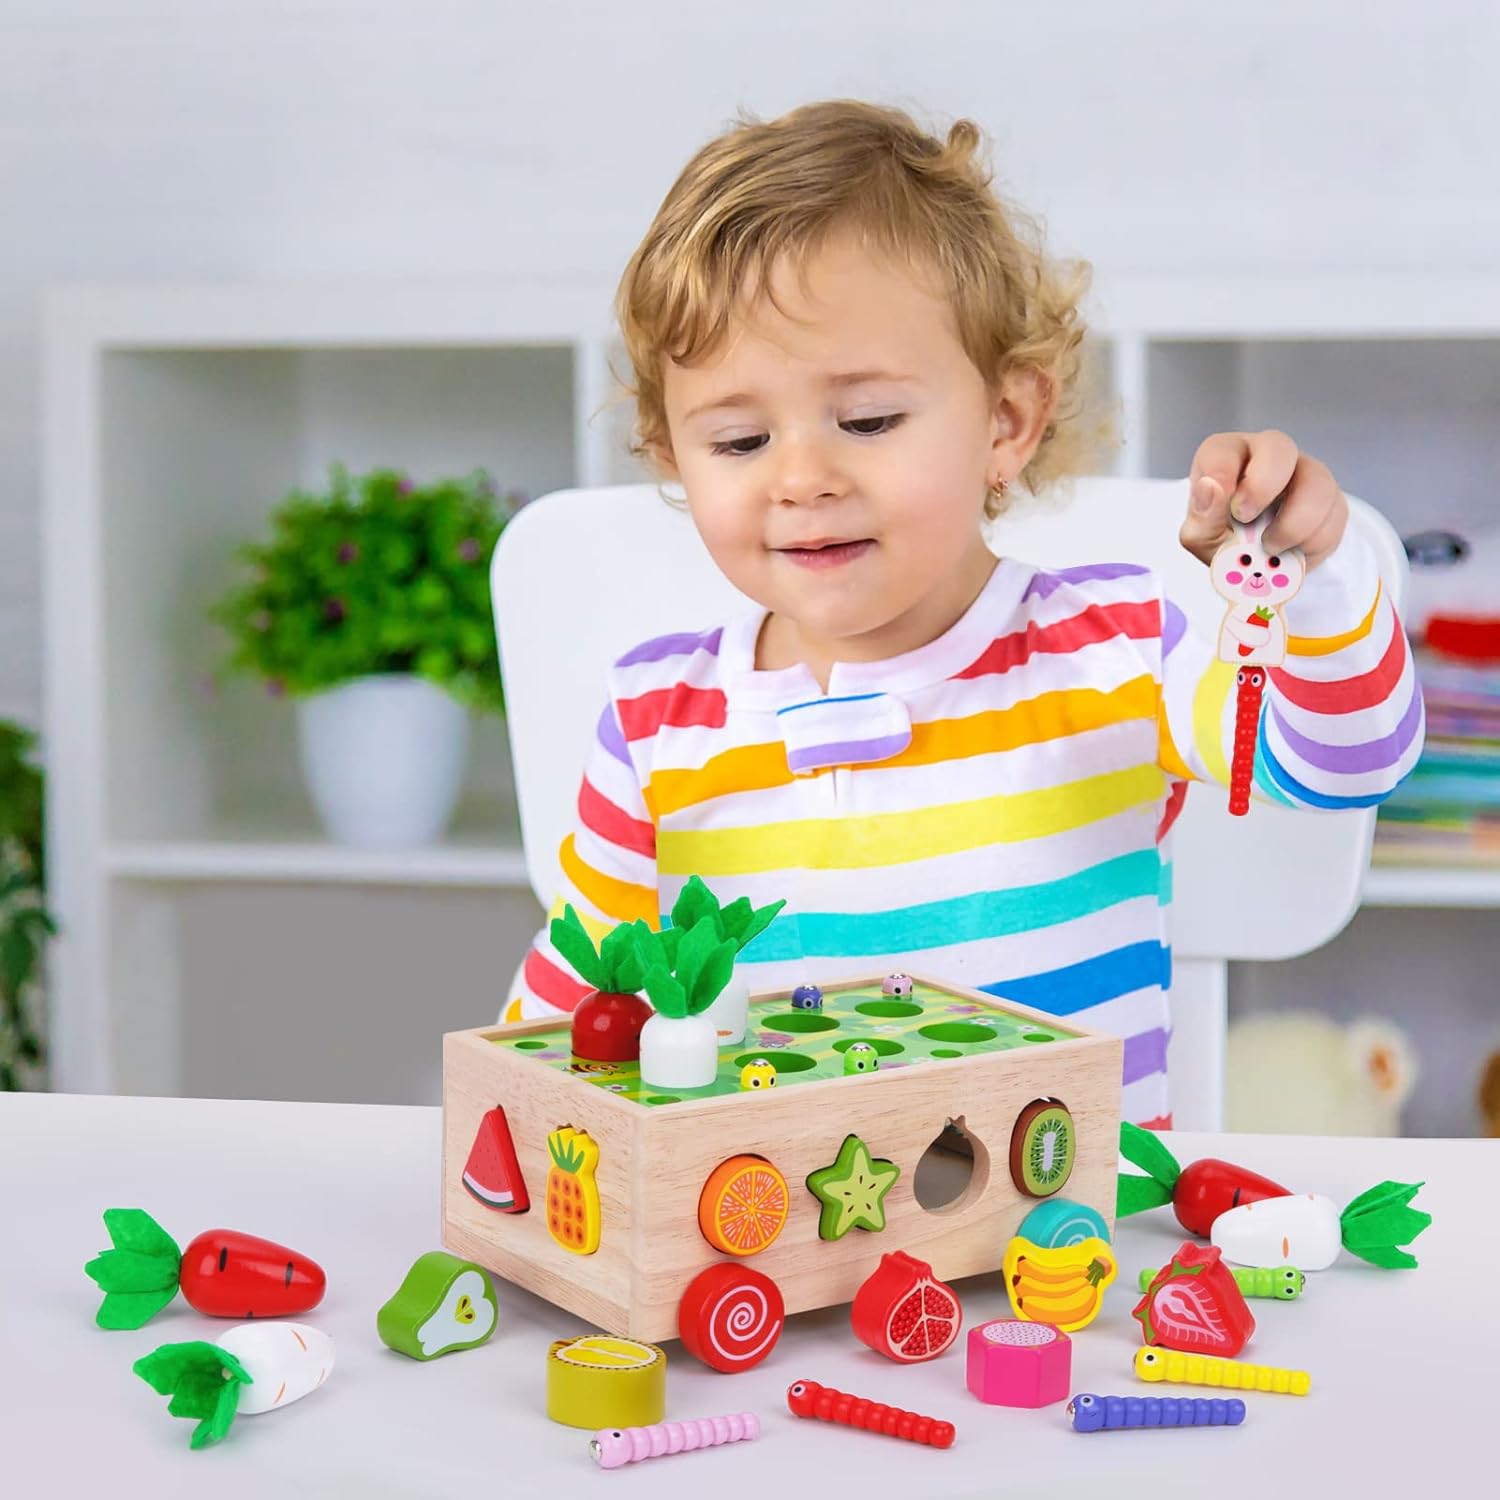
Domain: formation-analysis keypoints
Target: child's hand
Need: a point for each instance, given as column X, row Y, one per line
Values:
column 1242, row 473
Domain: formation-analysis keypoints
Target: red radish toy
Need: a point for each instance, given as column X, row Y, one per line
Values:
column 607, row 1022
column 904, row 1312
column 1194, row 1304
column 1198, row 1193
column 222, row 1273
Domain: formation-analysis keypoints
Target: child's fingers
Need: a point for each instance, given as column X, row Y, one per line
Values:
column 1269, row 467
column 1221, row 458
column 1306, row 513
column 1207, row 520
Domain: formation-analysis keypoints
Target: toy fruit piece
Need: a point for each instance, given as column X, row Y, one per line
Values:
column 1042, row 1148
column 1232, row 1374
column 492, row 1173
column 573, row 1217
column 606, row 1027
column 598, row 1381
column 1193, row 1304
column 758, row 1073
column 1284, row 1283
column 1309, row 1229
column 1198, row 1192
column 1064, row 1287
column 807, row 997
column 1015, row 1363
column 1091, row 1413
column 222, row 1273
column 1060, row 1221
column 613, row 1448
column 860, row 1057
column 852, row 1190
column 904, row 1312
column 730, row 1317
column 897, row 984
column 743, row 1205
column 806, row 1398
column 443, row 1304
column 254, row 1368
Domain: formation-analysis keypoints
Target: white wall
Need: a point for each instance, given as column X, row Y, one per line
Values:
column 248, row 138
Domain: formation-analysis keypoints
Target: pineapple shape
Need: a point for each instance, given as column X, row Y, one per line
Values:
column 572, row 1195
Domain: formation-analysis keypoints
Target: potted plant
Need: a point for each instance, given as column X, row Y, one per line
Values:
column 24, row 922
column 369, row 605
column 607, row 1022
column 740, row 922
column 684, row 972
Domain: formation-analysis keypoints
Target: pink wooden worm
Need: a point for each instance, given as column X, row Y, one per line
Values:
column 614, row 1446
column 807, row 1398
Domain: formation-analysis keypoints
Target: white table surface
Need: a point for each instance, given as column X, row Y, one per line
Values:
column 1403, row 1363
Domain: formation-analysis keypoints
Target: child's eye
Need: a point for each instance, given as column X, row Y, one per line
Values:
column 859, row 426
column 731, row 446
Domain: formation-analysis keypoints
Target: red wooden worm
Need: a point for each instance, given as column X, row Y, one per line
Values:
column 807, row 1398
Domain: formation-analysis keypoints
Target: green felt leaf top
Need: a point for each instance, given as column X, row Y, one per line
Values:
column 203, row 1381
column 615, row 967
column 1379, row 1221
column 739, row 920
column 139, row 1276
column 1143, row 1148
column 703, row 964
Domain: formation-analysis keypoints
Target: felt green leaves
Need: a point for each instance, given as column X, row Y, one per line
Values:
column 443, row 1304
column 615, row 967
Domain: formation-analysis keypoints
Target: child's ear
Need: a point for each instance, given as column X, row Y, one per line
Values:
column 1023, row 404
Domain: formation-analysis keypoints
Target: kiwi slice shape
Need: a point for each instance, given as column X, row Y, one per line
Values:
column 1043, row 1146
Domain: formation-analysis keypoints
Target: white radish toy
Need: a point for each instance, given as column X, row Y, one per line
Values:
column 255, row 1367
column 1307, row 1229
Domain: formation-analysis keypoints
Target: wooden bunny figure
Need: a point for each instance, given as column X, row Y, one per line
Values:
column 1256, row 583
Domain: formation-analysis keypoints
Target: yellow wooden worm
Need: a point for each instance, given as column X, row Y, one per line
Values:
column 1231, row 1374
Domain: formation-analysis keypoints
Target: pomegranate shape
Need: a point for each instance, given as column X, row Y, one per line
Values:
column 904, row 1312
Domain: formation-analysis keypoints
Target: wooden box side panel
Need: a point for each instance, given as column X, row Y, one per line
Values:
column 898, row 1114
column 477, row 1075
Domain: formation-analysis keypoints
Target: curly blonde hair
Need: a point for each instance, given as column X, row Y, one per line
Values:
column 784, row 187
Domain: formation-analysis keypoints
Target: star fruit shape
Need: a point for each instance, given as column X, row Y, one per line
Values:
column 852, row 1190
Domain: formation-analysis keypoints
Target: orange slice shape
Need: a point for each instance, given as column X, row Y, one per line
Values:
column 743, row 1205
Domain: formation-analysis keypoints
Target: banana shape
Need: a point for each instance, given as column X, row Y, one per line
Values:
column 1063, row 1286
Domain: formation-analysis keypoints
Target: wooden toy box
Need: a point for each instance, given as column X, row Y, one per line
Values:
column 946, row 1054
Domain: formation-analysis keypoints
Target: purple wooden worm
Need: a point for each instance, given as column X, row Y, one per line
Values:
column 1091, row 1413
column 615, row 1446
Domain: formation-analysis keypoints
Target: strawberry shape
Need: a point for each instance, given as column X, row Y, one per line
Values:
column 1194, row 1304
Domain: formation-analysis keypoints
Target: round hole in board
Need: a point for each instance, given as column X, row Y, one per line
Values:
column 783, row 1062
column 946, row 1052
column 883, row 1045
column 1038, row 1036
column 952, row 1171
column 661, row 1099
column 530, row 1046
column 799, row 1020
column 889, row 1009
column 958, row 1031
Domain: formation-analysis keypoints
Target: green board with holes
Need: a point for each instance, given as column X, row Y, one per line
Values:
column 929, row 1025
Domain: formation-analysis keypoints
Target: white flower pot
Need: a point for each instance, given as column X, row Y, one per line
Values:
column 384, row 760
column 679, row 1052
column 730, row 1012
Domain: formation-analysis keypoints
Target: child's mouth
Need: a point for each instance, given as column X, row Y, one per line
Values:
column 827, row 554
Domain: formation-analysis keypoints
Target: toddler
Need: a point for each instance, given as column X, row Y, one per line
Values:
column 848, row 352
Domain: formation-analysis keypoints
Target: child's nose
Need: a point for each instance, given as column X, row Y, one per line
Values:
column 806, row 473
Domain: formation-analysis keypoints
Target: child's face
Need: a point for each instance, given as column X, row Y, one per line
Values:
column 836, row 458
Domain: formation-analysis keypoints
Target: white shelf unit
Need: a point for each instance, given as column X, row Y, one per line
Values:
column 177, row 416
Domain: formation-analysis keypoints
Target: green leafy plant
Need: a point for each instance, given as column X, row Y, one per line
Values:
column 374, row 575
column 25, row 924
column 614, row 968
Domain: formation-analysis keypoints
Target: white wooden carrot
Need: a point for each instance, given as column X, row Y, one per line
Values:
column 1308, row 1230
column 253, row 1368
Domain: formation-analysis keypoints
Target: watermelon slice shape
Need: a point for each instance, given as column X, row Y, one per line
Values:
column 492, row 1174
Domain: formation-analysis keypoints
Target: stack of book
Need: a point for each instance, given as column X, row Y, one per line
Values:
column 1447, row 812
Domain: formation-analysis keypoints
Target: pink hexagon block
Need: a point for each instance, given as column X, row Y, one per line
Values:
column 1012, row 1363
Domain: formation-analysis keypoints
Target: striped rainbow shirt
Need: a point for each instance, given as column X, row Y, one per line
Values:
column 992, row 808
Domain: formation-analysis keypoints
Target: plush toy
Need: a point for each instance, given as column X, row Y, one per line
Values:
column 1300, row 1073
column 1489, row 1095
